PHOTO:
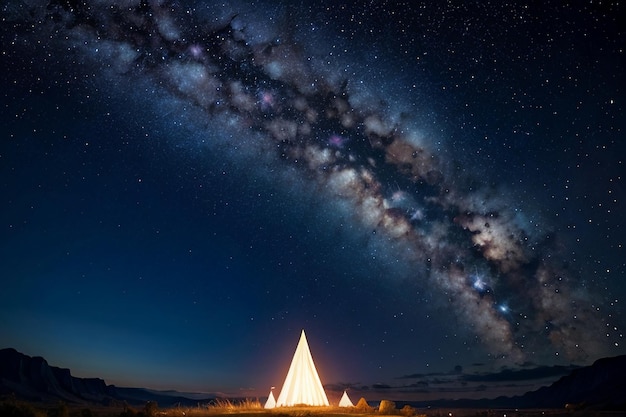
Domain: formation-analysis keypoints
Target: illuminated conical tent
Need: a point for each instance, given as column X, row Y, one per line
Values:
column 271, row 401
column 345, row 400
column 302, row 385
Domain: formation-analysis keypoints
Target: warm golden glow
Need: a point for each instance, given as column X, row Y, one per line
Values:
column 345, row 401
column 302, row 385
column 271, row 401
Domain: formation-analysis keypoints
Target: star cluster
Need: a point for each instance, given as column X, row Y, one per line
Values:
column 439, row 147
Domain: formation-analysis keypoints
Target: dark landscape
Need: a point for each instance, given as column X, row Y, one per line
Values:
column 594, row 390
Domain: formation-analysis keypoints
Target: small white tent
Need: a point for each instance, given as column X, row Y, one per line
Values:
column 271, row 401
column 303, row 384
column 345, row 400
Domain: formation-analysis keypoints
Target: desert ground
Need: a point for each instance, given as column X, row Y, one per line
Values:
column 14, row 408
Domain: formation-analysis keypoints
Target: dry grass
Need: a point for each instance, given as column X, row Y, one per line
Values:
column 228, row 409
column 247, row 404
column 253, row 408
column 218, row 407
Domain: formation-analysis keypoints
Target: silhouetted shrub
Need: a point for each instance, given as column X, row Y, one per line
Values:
column 128, row 412
column 362, row 406
column 85, row 412
column 61, row 410
column 19, row 409
column 387, row 407
column 150, row 409
column 407, row 411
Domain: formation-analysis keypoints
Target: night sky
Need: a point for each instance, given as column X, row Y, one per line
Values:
column 433, row 190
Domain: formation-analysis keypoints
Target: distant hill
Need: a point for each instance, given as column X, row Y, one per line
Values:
column 601, row 386
column 32, row 379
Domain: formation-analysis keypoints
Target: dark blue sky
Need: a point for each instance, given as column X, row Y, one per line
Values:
column 176, row 211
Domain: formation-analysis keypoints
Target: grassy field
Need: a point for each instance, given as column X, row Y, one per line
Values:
column 252, row 408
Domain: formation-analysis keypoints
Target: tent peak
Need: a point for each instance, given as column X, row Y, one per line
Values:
column 302, row 385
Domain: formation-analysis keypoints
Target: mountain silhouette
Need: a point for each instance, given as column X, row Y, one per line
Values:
column 601, row 386
column 33, row 379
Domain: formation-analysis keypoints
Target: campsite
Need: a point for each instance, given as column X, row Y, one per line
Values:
column 302, row 395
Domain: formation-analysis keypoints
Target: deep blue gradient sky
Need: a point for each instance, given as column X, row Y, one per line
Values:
column 435, row 193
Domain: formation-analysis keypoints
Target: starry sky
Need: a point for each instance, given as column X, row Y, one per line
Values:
column 433, row 190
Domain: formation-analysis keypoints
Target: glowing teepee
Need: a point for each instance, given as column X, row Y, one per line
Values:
column 271, row 401
column 302, row 385
column 345, row 400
